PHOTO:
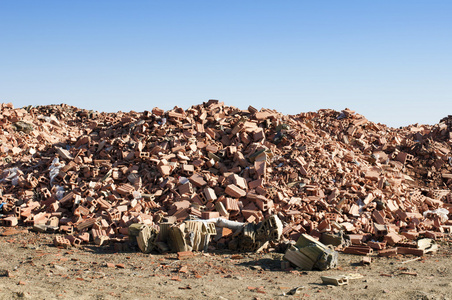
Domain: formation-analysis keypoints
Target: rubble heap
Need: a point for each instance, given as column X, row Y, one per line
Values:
column 328, row 174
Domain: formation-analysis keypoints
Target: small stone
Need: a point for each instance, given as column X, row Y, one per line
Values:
column 60, row 268
column 183, row 269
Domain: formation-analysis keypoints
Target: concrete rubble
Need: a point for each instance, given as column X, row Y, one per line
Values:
column 308, row 254
column 148, row 177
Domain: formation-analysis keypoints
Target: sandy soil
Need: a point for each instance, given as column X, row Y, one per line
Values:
column 32, row 268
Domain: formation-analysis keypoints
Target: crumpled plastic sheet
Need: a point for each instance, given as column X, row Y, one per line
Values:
column 441, row 212
column 12, row 174
column 54, row 168
column 221, row 222
column 59, row 194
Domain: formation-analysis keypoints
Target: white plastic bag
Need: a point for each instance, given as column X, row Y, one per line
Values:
column 54, row 168
column 12, row 174
column 441, row 212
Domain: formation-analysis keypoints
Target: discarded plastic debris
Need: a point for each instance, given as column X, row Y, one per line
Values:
column 55, row 168
column 440, row 212
column 428, row 245
column 11, row 174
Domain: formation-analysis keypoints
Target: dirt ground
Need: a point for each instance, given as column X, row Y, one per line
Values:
column 32, row 268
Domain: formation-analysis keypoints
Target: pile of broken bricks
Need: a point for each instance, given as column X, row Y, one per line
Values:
column 336, row 176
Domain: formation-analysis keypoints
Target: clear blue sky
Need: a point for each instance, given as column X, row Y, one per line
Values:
column 388, row 60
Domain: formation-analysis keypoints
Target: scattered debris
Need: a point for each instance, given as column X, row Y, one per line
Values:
column 309, row 254
column 411, row 260
column 294, row 291
column 335, row 280
column 351, row 183
column 340, row 279
column 366, row 260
